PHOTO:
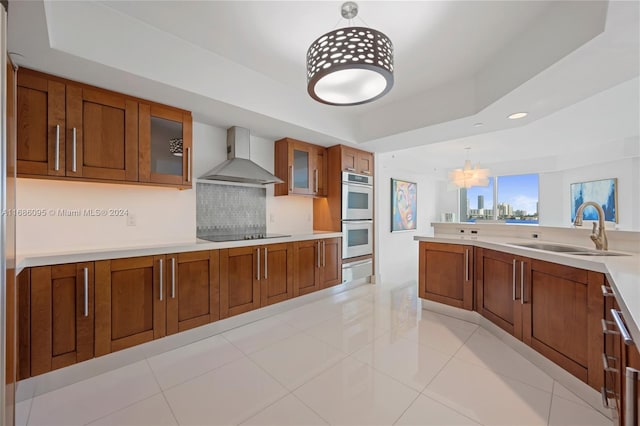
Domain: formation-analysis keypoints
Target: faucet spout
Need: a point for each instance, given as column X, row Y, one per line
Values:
column 599, row 238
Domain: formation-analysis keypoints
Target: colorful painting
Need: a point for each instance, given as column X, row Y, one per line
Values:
column 604, row 192
column 404, row 205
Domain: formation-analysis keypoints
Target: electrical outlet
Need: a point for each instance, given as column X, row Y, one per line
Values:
column 131, row 219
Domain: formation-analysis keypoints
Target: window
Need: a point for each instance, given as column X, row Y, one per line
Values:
column 513, row 199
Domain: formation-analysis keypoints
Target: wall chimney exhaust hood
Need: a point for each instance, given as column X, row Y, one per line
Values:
column 238, row 167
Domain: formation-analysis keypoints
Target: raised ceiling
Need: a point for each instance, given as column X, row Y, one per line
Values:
column 243, row 63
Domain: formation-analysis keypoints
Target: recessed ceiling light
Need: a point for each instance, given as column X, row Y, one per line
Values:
column 517, row 115
column 478, row 124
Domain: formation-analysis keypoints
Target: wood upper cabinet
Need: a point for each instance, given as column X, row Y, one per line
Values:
column 500, row 279
column 71, row 130
column 446, row 274
column 562, row 314
column 276, row 280
column 56, row 310
column 41, row 125
column 239, row 280
column 318, row 265
column 160, row 161
column 102, row 135
column 302, row 166
column 357, row 161
column 130, row 302
column 192, row 289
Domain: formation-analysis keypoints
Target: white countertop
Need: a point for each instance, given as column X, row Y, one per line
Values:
column 25, row 260
column 623, row 272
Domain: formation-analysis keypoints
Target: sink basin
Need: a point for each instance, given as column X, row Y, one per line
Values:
column 559, row 248
column 555, row 247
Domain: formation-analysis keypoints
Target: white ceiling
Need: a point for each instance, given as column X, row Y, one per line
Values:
column 456, row 63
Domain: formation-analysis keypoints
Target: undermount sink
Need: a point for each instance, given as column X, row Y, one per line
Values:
column 559, row 248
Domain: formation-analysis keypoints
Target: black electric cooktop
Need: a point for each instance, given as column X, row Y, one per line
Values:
column 239, row 237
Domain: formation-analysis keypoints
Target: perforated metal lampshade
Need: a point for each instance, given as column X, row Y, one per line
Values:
column 350, row 66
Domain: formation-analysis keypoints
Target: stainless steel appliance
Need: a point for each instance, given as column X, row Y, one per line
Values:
column 357, row 238
column 352, row 271
column 357, row 196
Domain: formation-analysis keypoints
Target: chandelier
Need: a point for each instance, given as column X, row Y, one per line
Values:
column 351, row 65
column 469, row 176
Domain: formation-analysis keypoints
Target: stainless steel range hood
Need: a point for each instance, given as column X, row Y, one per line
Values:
column 238, row 167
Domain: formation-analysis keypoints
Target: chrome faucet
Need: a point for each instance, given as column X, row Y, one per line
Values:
column 600, row 238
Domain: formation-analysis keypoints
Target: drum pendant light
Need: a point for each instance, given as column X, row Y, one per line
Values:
column 351, row 65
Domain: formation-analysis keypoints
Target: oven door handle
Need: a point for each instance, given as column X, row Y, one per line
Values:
column 355, row 222
column 362, row 185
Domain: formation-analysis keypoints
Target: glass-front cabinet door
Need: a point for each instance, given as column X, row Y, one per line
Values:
column 165, row 145
column 301, row 181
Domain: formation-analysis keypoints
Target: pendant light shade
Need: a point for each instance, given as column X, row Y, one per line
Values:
column 350, row 66
column 469, row 176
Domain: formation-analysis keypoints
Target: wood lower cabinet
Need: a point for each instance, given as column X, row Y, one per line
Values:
column 56, row 311
column 446, row 274
column 500, row 279
column 562, row 315
column 251, row 277
column 130, row 302
column 318, row 265
column 192, row 290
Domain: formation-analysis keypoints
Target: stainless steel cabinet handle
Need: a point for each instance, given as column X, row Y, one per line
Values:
column 161, row 283
column 522, row 282
column 173, row 277
column 513, row 280
column 350, row 169
column 617, row 318
column 74, row 165
column 324, row 254
column 86, row 291
column 605, row 396
column 366, row 172
column 631, row 398
column 318, row 254
column 266, row 262
column 315, row 172
column 258, row 264
column 605, row 363
column 188, row 164
column 466, row 264
column 57, row 160
column 606, row 291
column 291, row 180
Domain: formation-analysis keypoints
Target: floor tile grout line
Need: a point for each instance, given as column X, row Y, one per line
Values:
column 405, row 410
column 553, row 387
column 122, row 408
column 28, row 412
column 162, row 391
column 310, row 408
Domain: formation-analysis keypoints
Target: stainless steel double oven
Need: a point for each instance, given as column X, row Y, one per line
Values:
column 357, row 215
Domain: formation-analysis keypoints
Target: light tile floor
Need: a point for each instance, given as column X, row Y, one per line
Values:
column 368, row 356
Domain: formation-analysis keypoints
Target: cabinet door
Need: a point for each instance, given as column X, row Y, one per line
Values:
column 562, row 318
column 165, row 145
column 239, row 280
column 40, row 125
column 319, row 171
column 130, row 302
column 498, row 289
column 446, row 274
column 307, row 267
column 365, row 163
column 102, row 130
column 276, row 282
column 349, row 159
column 630, row 361
column 192, row 289
column 331, row 262
column 301, row 175
column 62, row 310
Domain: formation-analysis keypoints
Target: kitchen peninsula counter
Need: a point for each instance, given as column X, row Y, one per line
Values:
column 622, row 272
column 27, row 260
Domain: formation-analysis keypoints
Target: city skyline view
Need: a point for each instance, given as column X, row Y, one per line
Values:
column 519, row 191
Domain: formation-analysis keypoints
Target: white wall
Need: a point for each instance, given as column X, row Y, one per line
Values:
column 163, row 215
column 397, row 253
